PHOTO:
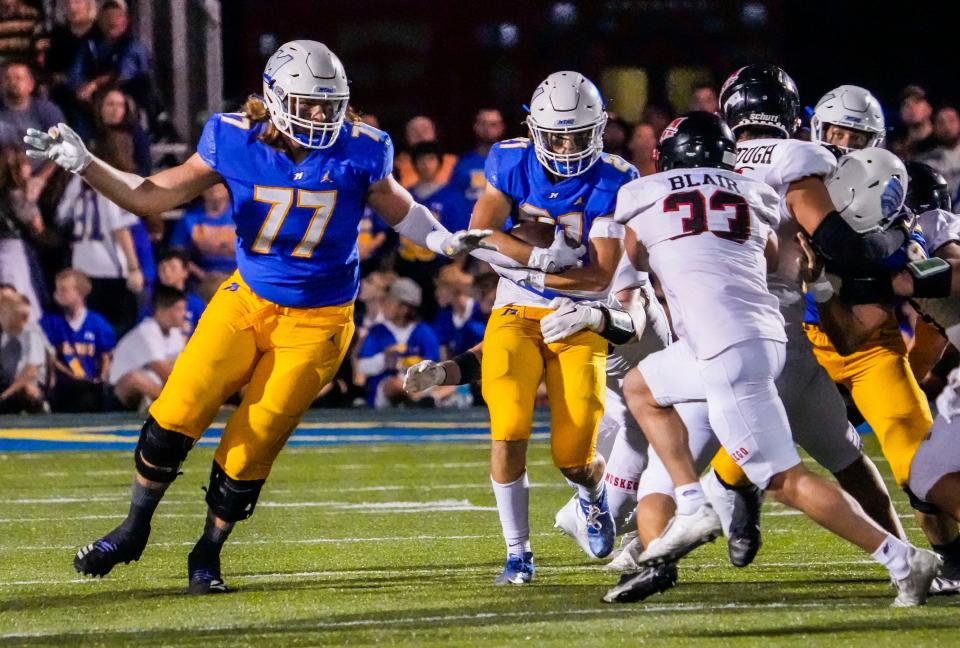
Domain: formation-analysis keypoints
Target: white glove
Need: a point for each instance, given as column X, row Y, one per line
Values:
column 523, row 276
column 61, row 145
column 556, row 258
column 569, row 318
column 442, row 242
column 423, row 375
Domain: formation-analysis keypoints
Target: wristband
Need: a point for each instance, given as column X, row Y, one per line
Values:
column 821, row 290
column 931, row 277
column 618, row 326
column 469, row 365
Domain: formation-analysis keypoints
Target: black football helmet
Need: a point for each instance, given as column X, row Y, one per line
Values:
column 761, row 95
column 926, row 189
column 698, row 139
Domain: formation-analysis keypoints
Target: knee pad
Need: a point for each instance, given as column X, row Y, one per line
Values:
column 230, row 499
column 920, row 505
column 160, row 452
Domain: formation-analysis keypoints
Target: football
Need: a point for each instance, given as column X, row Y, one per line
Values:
column 538, row 234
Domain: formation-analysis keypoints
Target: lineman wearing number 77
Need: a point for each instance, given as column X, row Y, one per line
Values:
column 299, row 170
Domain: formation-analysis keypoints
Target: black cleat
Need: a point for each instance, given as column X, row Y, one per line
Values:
column 204, row 574
column 744, row 541
column 118, row 546
column 637, row 586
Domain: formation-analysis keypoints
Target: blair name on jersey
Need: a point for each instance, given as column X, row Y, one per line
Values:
column 685, row 180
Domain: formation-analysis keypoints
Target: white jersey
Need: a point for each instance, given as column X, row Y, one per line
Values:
column 778, row 163
column 705, row 231
column 940, row 227
column 94, row 220
column 145, row 344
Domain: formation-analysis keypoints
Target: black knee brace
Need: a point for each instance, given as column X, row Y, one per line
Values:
column 230, row 499
column 920, row 505
column 160, row 453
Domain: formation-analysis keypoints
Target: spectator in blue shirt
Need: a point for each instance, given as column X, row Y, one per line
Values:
column 82, row 342
column 400, row 341
column 172, row 272
column 460, row 322
column 467, row 176
column 111, row 57
column 207, row 235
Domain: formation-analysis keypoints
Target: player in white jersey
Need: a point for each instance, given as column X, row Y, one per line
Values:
column 703, row 229
column 934, row 465
column 760, row 103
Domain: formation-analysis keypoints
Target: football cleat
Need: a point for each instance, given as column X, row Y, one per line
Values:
column 626, row 559
column 118, row 546
column 601, row 530
column 942, row 586
column 914, row 589
column 518, row 570
column 574, row 525
column 203, row 572
column 637, row 586
column 744, row 540
column 683, row 534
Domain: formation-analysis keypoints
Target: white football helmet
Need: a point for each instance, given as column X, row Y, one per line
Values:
column 305, row 89
column 851, row 107
column 868, row 188
column 566, row 123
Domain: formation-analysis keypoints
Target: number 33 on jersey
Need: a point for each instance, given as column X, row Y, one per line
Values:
column 297, row 223
column 705, row 231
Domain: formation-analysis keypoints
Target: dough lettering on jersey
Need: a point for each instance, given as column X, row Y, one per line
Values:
column 755, row 155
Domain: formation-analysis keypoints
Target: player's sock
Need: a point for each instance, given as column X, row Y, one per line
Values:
column 690, row 498
column 143, row 504
column 951, row 557
column 622, row 476
column 590, row 493
column 893, row 554
column 211, row 542
column 513, row 505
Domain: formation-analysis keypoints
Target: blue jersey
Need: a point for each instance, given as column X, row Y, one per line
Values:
column 460, row 338
column 468, row 177
column 896, row 261
column 572, row 204
column 297, row 223
column 211, row 241
column 421, row 345
column 449, row 207
column 81, row 350
column 195, row 308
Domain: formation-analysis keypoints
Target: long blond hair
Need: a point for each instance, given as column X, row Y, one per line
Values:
column 256, row 111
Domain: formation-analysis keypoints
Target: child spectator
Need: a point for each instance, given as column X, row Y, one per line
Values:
column 144, row 358
column 23, row 354
column 208, row 235
column 172, row 272
column 460, row 323
column 418, row 130
column 400, row 341
column 82, row 342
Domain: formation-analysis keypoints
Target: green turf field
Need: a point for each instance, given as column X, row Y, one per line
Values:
column 398, row 544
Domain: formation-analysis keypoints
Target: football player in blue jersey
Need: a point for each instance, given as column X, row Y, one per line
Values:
column 299, row 173
column 560, row 178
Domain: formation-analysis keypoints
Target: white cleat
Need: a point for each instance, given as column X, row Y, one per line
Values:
column 626, row 560
column 915, row 588
column 944, row 587
column 722, row 499
column 683, row 534
column 571, row 523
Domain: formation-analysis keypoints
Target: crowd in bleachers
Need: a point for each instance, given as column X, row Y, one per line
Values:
column 96, row 303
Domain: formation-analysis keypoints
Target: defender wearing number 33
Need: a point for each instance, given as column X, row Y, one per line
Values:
column 299, row 175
